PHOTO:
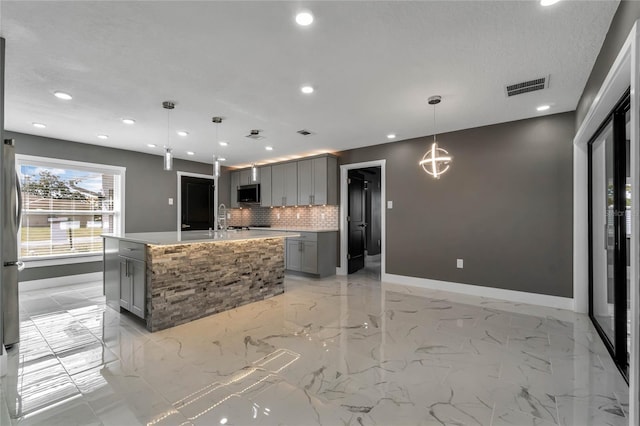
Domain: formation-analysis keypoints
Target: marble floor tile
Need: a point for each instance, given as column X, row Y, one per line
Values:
column 335, row 351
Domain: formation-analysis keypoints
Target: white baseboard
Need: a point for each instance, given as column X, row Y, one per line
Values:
column 476, row 290
column 60, row 281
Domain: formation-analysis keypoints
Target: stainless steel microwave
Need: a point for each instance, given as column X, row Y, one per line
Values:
column 249, row 194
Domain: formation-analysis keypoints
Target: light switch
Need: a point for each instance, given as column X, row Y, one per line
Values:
column 170, row 201
column 228, row 215
column 389, row 204
column 277, row 215
column 459, row 263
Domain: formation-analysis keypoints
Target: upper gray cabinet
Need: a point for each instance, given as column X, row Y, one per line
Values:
column 245, row 177
column 265, row 186
column 318, row 181
column 284, row 184
column 235, row 183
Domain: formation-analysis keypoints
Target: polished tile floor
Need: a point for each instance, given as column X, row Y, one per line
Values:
column 339, row 351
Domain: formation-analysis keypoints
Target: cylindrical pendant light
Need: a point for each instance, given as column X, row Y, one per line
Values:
column 216, row 167
column 168, row 159
column 168, row 155
column 216, row 160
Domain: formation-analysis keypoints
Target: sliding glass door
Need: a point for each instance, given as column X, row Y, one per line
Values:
column 609, row 217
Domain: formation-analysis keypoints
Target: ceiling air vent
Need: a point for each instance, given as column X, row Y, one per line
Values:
column 305, row 132
column 255, row 134
column 527, row 86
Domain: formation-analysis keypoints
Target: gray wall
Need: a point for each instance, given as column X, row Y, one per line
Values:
column 624, row 18
column 148, row 188
column 505, row 207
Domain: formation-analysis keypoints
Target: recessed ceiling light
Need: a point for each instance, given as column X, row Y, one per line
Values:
column 39, row 125
column 103, row 136
column 128, row 121
column 304, row 19
column 190, row 153
column 222, row 159
column 543, row 107
column 548, row 2
column 223, row 143
column 306, row 89
column 268, row 148
column 182, row 133
column 63, row 95
column 152, row 145
column 391, row 136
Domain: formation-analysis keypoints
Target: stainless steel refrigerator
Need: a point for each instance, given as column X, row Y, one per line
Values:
column 11, row 208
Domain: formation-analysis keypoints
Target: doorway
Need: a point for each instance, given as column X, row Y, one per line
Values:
column 610, row 196
column 196, row 202
column 362, row 219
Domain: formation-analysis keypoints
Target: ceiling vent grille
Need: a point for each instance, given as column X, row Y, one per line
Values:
column 527, row 86
column 305, row 132
column 255, row 134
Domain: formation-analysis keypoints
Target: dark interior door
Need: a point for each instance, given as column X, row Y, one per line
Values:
column 356, row 221
column 198, row 206
column 610, row 195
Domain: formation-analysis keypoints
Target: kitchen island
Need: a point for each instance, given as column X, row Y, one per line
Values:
column 171, row 278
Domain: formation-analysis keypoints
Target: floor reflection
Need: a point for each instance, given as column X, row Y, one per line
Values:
column 346, row 350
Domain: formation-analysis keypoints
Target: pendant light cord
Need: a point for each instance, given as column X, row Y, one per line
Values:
column 434, row 122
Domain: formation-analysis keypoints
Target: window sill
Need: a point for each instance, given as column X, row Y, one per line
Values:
column 68, row 260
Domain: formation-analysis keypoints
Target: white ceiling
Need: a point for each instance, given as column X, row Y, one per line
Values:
column 373, row 65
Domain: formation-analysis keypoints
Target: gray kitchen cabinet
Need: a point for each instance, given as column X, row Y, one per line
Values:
column 265, row 186
column 302, row 256
column 284, row 184
column 317, row 181
column 245, row 177
column 133, row 277
column 312, row 253
column 235, row 183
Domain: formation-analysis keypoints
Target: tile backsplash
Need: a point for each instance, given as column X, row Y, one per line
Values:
column 304, row 216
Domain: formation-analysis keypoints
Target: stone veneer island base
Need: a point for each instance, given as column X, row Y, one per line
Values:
column 169, row 278
column 186, row 282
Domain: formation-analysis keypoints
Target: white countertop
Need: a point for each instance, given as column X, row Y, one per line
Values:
column 297, row 229
column 187, row 237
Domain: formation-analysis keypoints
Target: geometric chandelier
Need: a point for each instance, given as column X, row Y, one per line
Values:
column 437, row 160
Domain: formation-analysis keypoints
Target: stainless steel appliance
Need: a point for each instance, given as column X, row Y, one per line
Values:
column 12, row 210
column 249, row 194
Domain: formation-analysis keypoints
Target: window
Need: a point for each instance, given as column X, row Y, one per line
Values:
column 66, row 206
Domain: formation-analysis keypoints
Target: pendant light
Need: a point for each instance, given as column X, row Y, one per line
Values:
column 216, row 159
column 168, row 156
column 437, row 160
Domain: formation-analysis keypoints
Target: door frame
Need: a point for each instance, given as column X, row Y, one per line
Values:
column 624, row 73
column 344, row 202
column 616, row 345
column 179, row 175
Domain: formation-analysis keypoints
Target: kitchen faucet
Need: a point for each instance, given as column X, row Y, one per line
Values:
column 222, row 217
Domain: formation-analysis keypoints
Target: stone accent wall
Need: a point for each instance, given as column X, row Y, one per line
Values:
column 190, row 281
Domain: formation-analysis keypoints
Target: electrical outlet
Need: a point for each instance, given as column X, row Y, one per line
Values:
column 459, row 263
column 321, row 215
column 297, row 215
column 389, row 204
column 277, row 215
column 170, row 201
column 228, row 215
